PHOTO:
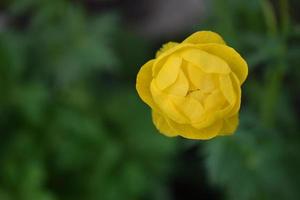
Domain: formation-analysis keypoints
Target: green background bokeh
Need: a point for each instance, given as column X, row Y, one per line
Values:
column 73, row 127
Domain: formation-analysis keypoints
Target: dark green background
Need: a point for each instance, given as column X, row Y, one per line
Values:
column 73, row 128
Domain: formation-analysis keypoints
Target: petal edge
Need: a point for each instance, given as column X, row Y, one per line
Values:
column 203, row 37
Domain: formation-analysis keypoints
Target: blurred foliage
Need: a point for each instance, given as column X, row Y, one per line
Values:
column 262, row 160
column 72, row 126
column 65, row 129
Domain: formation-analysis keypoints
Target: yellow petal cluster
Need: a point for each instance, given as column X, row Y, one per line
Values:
column 194, row 87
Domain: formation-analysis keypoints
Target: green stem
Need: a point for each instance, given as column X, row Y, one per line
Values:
column 270, row 18
column 285, row 17
column 277, row 68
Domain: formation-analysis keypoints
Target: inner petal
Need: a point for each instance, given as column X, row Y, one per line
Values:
column 227, row 89
column 190, row 107
column 169, row 72
column 201, row 80
column 165, row 103
column 180, row 87
column 233, row 108
column 198, row 95
column 214, row 101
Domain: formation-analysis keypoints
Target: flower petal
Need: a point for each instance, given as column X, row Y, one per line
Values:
column 202, row 37
column 237, row 64
column 161, row 59
column 169, row 72
column 230, row 125
column 206, row 62
column 214, row 101
column 162, row 124
column 234, row 106
column 227, row 89
column 235, row 83
column 202, row 81
column 190, row 107
column 187, row 131
column 180, row 87
column 166, row 47
column 165, row 104
column 143, row 81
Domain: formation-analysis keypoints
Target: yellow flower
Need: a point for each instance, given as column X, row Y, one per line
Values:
column 194, row 87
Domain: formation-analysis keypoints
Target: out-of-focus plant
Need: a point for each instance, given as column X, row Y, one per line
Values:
column 262, row 160
column 70, row 127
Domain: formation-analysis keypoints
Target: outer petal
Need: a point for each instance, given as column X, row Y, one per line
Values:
column 161, row 59
column 169, row 72
column 230, row 125
column 237, row 64
column 187, row 131
column 205, row 121
column 163, row 125
column 203, row 37
column 143, row 81
column 208, row 63
column 166, row 47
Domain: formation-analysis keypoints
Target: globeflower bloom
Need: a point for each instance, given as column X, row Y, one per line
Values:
column 194, row 87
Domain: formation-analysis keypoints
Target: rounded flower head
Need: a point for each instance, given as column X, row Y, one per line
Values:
column 194, row 87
